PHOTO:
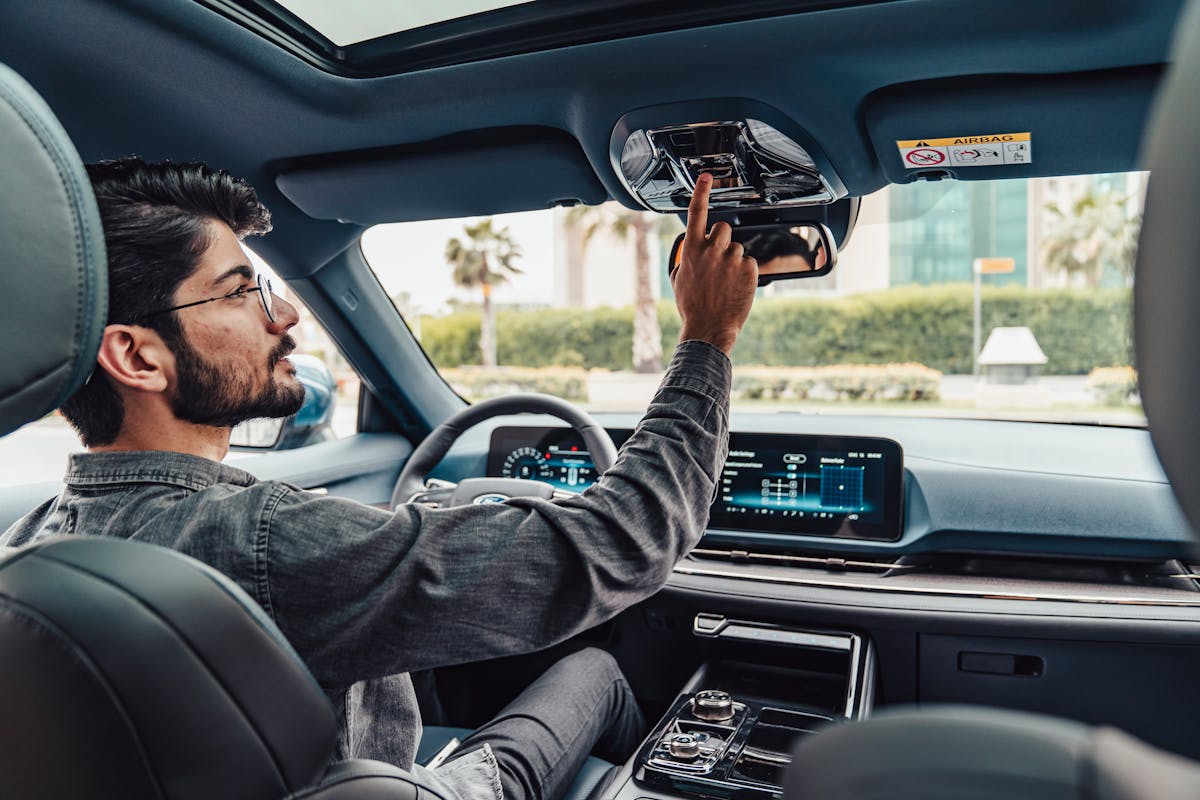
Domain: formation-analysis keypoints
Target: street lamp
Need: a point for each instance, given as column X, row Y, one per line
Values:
column 981, row 267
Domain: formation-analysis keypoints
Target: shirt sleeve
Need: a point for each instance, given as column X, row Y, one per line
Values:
column 361, row 592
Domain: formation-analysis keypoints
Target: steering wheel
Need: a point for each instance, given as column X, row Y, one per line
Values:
column 410, row 486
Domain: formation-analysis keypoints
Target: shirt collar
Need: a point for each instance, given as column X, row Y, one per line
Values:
column 152, row 466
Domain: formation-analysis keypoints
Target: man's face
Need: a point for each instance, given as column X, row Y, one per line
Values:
column 231, row 364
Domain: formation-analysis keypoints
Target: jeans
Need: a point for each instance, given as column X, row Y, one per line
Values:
column 582, row 705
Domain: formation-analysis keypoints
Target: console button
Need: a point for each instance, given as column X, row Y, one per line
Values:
column 712, row 705
column 684, row 746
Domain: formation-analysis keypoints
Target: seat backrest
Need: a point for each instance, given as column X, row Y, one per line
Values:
column 134, row 671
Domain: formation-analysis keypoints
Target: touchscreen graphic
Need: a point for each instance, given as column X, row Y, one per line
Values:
column 775, row 483
column 836, row 486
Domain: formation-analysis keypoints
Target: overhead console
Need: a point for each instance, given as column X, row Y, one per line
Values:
column 785, row 486
column 760, row 160
column 752, row 165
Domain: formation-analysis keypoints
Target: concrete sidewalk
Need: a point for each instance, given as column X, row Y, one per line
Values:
column 1063, row 388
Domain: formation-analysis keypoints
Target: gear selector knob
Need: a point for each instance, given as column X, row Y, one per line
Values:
column 712, row 705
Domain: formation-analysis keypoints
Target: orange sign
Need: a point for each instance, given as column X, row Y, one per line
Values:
column 994, row 266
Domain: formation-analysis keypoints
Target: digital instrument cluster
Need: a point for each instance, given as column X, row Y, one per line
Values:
column 781, row 485
column 555, row 456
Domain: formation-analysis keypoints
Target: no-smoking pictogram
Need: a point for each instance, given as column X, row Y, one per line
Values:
column 925, row 157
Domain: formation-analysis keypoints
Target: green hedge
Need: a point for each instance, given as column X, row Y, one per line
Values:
column 930, row 325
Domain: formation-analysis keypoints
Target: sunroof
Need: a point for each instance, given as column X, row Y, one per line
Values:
column 347, row 22
column 371, row 38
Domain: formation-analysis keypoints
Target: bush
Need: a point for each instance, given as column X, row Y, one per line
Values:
column 1113, row 386
column 931, row 325
column 479, row 384
column 1078, row 330
column 908, row 382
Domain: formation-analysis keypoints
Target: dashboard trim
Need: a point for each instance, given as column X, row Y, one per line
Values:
column 918, row 590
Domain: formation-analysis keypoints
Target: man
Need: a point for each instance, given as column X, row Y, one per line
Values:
column 784, row 252
column 196, row 343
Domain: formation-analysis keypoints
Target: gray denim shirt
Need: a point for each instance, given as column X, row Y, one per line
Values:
column 367, row 596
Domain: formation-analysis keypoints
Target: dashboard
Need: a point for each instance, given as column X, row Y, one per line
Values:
column 961, row 485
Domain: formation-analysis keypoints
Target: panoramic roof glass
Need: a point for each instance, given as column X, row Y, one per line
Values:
column 349, row 22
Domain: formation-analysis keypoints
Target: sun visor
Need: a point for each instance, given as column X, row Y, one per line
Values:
column 1018, row 126
column 487, row 172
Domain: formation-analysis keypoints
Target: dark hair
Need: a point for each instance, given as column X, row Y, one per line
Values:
column 156, row 227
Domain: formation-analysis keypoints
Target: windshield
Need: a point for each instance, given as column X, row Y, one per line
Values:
column 1001, row 299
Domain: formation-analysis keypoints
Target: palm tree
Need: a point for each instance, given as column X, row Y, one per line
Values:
column 482, row 261
column 640, row 226
column 1094, row 234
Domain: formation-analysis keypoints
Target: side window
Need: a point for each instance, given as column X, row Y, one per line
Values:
column 331, row 387
column 37, row 453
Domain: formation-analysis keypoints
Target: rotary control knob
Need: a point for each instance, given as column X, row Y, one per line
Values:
column 684, row 746
column 712, row 705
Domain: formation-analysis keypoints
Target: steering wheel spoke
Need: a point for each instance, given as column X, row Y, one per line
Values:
column 437, row 493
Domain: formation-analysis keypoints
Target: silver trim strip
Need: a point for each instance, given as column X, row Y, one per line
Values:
column 687, row 569
column 816, row 561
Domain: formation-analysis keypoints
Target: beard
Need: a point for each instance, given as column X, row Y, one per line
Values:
column 206, row 394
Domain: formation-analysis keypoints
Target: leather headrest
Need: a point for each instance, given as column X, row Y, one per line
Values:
column 55, row 298
column 1167, row 284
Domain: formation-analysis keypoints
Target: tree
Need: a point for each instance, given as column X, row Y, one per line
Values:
column 1094, row 234
column 640, row 226
column 486, row 258
column 410, row 312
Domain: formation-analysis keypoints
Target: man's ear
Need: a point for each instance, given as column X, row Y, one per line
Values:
column 136, row 357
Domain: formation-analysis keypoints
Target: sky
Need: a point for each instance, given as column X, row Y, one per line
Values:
column 409, row 257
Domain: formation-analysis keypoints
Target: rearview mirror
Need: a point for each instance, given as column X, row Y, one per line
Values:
column 783, row 252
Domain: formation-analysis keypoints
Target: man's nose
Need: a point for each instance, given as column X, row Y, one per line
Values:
column 286, row 315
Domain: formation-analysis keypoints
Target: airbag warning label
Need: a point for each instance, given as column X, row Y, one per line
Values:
column 986, row 150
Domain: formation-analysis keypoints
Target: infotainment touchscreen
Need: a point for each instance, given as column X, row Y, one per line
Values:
column 782, row 485
column 811, row 485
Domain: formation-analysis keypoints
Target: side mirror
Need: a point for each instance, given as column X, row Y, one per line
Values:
column 783, row 252
column 311, row 424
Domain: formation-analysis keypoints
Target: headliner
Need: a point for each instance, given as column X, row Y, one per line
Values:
column 172, row 78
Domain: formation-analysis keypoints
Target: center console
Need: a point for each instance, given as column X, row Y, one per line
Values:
column 731, row 731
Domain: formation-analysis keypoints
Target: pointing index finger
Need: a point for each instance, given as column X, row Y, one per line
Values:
column 697, row 224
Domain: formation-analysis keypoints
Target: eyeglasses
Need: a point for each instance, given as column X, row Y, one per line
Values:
column 264, row 293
